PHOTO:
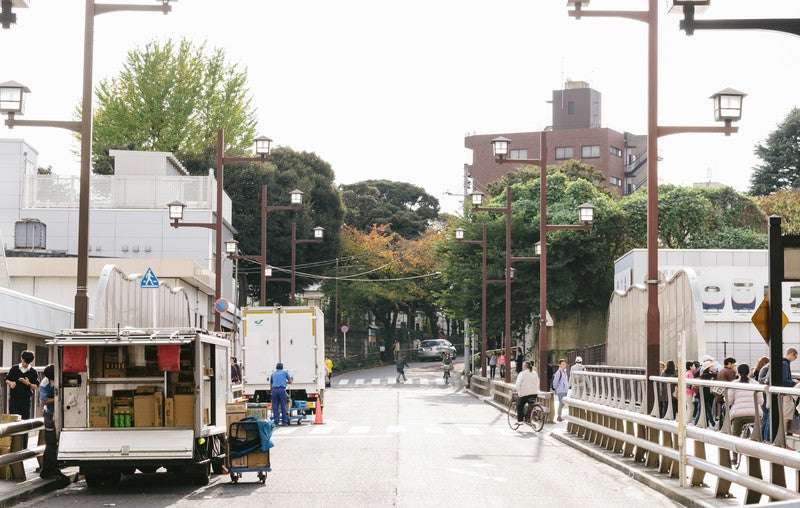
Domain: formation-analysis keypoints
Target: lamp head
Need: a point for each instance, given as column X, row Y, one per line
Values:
column 679, row 6
column 577, row 3
column 728, row 105
column 296, row 197
column 319, row 232
column 477, row 198
column 537, row 248
column 12, row 97
column 176, row 210
column 459, row 233
column 263, row 145
column 500, row 147
column 586, row 213
column 231, row 246
column 267, row 271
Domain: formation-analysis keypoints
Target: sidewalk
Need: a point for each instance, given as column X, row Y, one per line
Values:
column 16, row 491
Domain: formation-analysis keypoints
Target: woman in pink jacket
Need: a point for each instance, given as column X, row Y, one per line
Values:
column 742, row 406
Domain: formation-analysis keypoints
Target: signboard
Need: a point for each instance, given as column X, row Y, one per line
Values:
column 344, row 328
column 761, row 319
column 221, row 305
column 149, row 280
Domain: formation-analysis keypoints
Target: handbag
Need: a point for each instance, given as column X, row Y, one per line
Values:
column 718, row 390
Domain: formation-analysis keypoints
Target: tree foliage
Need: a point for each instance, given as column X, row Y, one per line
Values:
column 173, row 97
column 781, row 158
column 786, row 204
column 405, row 208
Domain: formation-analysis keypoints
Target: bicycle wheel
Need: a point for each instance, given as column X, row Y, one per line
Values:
column 512, row 413
column 536, row 417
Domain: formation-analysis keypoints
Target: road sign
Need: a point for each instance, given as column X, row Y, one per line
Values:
column 761, row 319
column 221, row 305
column 345, row 328
column 149, row 280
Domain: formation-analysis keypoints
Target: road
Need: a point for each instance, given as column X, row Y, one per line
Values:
column 414, row 444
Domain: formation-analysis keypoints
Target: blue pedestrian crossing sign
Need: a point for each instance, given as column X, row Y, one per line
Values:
column 149, row 280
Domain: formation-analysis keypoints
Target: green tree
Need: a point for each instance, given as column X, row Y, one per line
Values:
column 173, row 97
column 785, row 203
column 781, row 158
column 407, row 209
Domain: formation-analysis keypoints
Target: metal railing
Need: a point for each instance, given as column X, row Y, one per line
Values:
column 18, row 453
column 609, row 412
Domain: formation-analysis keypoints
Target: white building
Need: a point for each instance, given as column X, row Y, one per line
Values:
column 128, row 227
column 709, row 296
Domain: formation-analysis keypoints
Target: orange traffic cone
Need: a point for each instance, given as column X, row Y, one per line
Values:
column 318, row 412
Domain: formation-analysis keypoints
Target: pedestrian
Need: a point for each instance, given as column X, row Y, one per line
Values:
column 788, row 400
column 328, row 371
column 742, row 408
column 527, row 385
column 519, row 362
column 759, row 365
column 492, row 364
column 50, row 469
column 561, row 386
column 279, row 381
column 691, row 390
column 577, row 381
column 22, row 379
column 401, row 365
column 668, row 391
column 396, row 349
column 501, row 362
column 706, row 397
column 236, row 371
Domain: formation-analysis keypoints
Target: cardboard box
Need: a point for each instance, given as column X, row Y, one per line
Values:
column 232, row 417
column 236, row 407
column 144, row 414
column 99, row 412
column 159, row 409
column 114, row 373
column 145, row 390
column 184, row 410
column 261, row 413
column 239, row 462
column 206, row 416
column 258, row 459
column 169, row 412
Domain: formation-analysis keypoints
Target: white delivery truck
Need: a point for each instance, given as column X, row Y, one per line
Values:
column 139, row 399
column 294, row 336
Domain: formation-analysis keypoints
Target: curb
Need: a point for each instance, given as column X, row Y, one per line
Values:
column 29, row 489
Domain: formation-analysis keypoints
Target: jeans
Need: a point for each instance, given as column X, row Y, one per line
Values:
column 401, row 372
column 561, row 397
column 279, row 412
column 521, row 405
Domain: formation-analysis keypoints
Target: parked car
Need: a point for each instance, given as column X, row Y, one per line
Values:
column 435, row 349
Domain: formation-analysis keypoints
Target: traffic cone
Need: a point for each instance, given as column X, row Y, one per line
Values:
column 318, row 412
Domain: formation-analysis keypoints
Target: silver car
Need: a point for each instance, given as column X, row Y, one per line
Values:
column 435, row 349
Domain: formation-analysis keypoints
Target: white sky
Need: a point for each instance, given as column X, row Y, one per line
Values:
column 388, row 89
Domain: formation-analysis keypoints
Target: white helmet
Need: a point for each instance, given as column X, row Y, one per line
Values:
column 578, row 359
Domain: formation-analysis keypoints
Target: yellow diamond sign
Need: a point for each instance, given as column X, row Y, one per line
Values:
column 761, row 319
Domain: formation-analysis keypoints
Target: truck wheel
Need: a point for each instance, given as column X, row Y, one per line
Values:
column 218, row 466
column 201, row 474
column 93, row 480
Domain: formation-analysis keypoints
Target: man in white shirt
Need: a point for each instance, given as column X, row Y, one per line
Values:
column 527, row 385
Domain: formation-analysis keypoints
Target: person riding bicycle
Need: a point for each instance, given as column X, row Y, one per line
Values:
column 447, row 365
column 527, row 385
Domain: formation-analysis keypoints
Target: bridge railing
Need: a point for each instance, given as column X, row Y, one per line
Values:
column 608, row 410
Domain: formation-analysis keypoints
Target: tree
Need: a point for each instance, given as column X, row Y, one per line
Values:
column 785, row 203
column 173, row 98
column 407, row 209
column 781, row 156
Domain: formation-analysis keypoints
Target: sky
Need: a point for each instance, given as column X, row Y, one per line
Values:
column 389, row 89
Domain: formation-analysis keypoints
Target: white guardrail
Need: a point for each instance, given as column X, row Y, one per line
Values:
column 609, row 412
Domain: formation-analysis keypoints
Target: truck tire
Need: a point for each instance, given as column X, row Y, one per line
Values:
column 109, row 479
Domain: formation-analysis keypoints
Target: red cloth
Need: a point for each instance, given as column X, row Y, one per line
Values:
column 74, row 359
column 169, row 358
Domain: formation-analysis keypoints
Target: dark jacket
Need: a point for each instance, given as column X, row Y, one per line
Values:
column 21, row 390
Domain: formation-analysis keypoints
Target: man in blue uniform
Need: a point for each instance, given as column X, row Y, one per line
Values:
column 278, row 381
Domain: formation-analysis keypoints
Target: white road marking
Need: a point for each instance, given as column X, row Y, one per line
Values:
column 322, row 429
column 359, row 429
column 343, row 382
column 376, row 380
column 434, row 430
column 470, row 431
column 500, row 479
column 396, row 429
column 359, row 381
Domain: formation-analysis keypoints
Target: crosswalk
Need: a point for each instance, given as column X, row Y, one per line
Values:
column 342, row 429
column 383, row 381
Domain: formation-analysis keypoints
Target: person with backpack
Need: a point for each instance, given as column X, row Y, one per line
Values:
column 561, row 386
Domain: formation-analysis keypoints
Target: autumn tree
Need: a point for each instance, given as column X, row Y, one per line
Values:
column 405, row 208
column 786, row 204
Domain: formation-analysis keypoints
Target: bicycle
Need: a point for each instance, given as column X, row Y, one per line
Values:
column 533, row 414
column 747, row 432
column 446, row 375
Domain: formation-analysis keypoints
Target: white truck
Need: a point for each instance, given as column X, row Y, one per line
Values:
column 142, row 399
column 294, row 336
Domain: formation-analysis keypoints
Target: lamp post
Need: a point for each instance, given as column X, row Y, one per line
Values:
column 319, row 233
column 7, row 18
column 791, row 26
column 296, row 200
column 477, row 199
column 176, row 208
column 501, row 147
column 650, row 16
column 82, row 127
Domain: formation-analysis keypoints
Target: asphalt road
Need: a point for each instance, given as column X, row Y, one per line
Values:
column 415, row 444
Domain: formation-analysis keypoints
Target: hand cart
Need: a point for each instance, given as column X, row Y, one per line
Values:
column 244, row 449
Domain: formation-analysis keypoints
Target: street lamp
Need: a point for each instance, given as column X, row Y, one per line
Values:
column 296, row 200
column 176, row 208
column 7, row 18
column 319, row 233
column 689, row 24
column 501, row 147
column 654, row 131
column 84, row 128
column 477, row 199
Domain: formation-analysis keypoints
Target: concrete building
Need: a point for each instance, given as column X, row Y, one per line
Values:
column 128, row 227
column 575, row 133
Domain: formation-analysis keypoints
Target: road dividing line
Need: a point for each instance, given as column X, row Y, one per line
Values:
column 395, row 429
column 376, row 380
column 343, row 382
column 359, row 429
column 434, row 430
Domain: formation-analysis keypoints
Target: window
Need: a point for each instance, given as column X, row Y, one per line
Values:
column 613, row 180
column 563, row 153
column 520, row 153
column 570, row 107
column 616, row 152
column 590, row 151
